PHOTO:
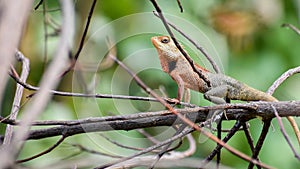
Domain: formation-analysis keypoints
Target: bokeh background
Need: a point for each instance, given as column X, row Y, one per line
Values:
column 245, row 38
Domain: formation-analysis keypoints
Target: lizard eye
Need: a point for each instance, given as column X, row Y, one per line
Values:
column 165, row 40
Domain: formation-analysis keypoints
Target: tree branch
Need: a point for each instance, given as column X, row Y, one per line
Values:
column 245, row 111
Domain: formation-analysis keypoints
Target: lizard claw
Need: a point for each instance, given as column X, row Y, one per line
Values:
column 173, row 101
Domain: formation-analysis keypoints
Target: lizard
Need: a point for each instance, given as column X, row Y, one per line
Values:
column 221, row 86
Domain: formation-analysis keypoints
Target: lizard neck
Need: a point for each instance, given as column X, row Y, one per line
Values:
column 168, row 63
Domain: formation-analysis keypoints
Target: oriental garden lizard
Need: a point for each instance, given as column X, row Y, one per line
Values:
column 221, row 86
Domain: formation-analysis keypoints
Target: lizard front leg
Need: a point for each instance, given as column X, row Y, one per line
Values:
column 217, row 95
column 180, row 84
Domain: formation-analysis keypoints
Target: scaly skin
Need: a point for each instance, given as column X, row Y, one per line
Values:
column 222, row 86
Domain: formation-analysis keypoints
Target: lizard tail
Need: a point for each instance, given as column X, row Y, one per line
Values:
column 251, row 94
column 295, row 127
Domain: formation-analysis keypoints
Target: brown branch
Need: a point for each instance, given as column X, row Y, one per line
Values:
column 166, row 118
column 233, row 130
column 82, row 38
column 261, row 140
column 44, row 152
column 285, row 134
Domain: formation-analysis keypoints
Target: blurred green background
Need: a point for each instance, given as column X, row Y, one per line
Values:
column 245, row 38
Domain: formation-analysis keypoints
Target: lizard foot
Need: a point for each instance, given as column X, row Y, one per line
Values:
column 173, row 101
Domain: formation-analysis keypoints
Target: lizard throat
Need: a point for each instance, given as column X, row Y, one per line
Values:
column 171, row 66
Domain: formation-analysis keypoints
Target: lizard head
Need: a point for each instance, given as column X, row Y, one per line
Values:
column 166, row 47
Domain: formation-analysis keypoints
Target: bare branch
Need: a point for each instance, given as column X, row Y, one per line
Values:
column 109, row 96
column 165, row 118
column 261, row 140
column 185, row 132
column 180, row 6
column 44, row 152
column 49, row 81
column 18, row 95
column 233, row 130
column 82, row 148
column 171, row 156
column 82, row 38
column 284, row 133
column 282, row 78
column 294, row 28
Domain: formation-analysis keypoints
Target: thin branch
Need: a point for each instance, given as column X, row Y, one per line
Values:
column 248, row 136
column 173, row 157
column 82, row 148
column 261, row 140
column 165, row 148
column 201, row 49
column 149, row 149
column 249, row 139
column 219, row 135
column 180, row 6
column 45, row 31
column 39, row 4
column 148, row 136
column 120, row 145
column 233, row 130
column 82, row 38
column 284, row 133
column 294, row 28
column 44, row 152
column 282, row 78
column 18, row 95
column 107, row 96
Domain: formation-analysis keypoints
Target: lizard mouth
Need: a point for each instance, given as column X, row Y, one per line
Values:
column 154, row 41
